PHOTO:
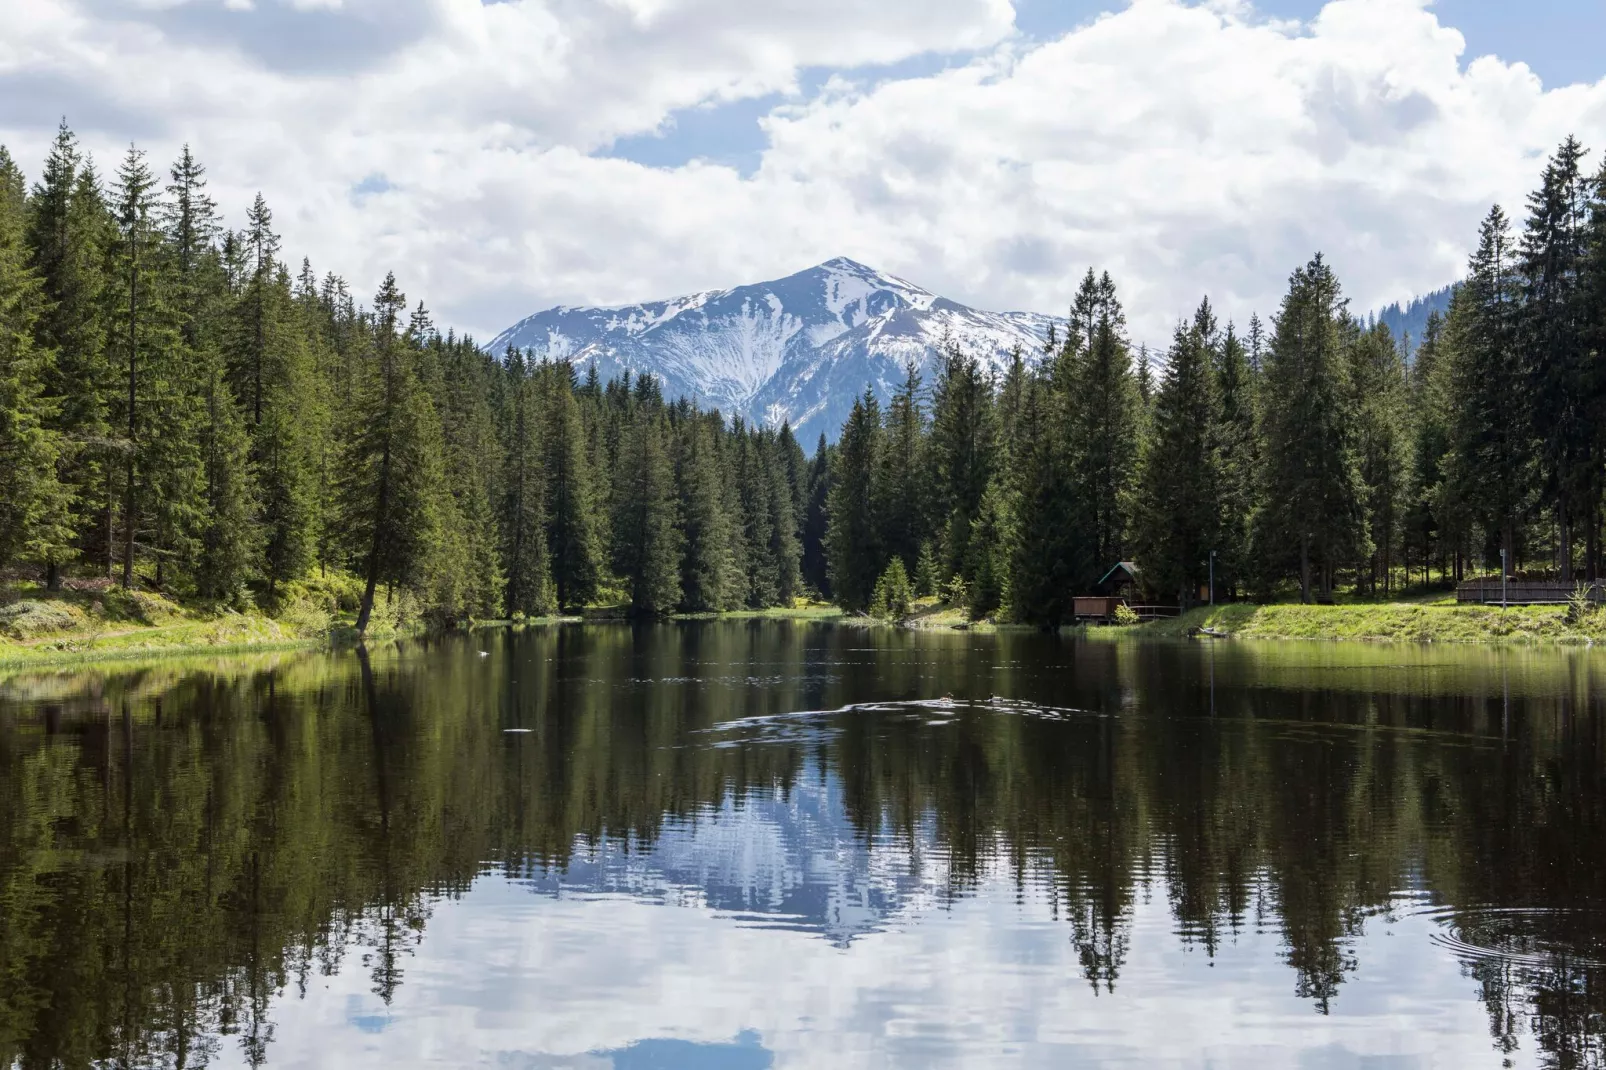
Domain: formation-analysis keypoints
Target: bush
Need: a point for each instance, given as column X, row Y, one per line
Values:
column 24, row 620
column 926, row 572
column 958, row 593
column 894, row 597
column 1581, row 603
column 1126, row 616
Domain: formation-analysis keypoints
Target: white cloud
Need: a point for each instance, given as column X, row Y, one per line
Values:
column 1187, row 149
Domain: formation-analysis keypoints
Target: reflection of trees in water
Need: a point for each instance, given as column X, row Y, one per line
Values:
column 243, row 829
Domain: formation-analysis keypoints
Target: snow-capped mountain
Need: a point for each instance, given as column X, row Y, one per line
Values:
column 798, row 349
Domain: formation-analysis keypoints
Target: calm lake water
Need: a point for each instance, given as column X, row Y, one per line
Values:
column 778, row 844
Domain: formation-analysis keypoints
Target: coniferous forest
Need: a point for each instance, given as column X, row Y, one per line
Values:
column 184, row 410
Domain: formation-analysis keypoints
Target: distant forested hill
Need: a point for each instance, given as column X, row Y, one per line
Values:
column 1411, row 319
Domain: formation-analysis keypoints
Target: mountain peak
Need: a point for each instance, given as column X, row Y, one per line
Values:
column 798, row 349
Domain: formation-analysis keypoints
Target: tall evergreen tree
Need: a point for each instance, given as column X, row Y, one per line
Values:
column 1311, row 515
column 852, row 549
column 1101, row 395
column 34, row 516
column 69, row 238
column 526, row 565
column 815, row 571
column 1491, row 457
column 963, row 437
column 647, row 544
column 1377, row 376
column 1179, row 504
column 1551, row 334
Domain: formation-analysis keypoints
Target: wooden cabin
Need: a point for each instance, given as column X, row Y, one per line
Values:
column 1121, row 582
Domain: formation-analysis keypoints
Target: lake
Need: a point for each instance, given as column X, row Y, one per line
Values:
column 751, row 844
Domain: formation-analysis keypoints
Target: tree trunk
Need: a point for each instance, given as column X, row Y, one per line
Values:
column 1304, row 568
column 381, row 507
column 1564, row 536
column 133, row 424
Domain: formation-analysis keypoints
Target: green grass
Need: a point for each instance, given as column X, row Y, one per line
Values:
column 1438, row 621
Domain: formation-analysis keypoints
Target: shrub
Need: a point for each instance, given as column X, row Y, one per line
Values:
column 24, row 620
column 927, row 571
column 893, row 596
column 1126, row 616
column 1581, row 604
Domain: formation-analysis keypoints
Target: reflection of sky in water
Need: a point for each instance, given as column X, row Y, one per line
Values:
column 705, row 949
column 790, row 862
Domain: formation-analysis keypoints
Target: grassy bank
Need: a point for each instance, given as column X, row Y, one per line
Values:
column 101, row 622
column 1438, row 622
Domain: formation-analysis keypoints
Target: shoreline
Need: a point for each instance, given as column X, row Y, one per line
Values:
column 1394, row 622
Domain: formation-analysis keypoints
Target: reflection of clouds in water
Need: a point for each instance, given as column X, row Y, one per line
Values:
column 792, row 861
column 992, row 980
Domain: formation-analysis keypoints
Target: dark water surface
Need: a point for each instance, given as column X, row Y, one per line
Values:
column 775, row 844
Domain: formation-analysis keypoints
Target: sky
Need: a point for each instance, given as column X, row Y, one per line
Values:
column 508, row 155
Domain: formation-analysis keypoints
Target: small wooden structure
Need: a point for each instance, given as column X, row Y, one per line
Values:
column 1488, row 591
column 1096, row 607
column 1121, row 581
column 1119, row 587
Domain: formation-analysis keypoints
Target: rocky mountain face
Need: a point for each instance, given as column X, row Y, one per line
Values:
column 798, row 349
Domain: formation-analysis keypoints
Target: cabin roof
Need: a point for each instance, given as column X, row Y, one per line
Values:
column 1121, row 566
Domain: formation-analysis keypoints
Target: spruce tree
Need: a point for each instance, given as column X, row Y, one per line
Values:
column 572, row 536
column 853, row 553
column 1552, row 336
column 900, row 478
column 963, row 438
column 1052, row 554
column 1491, row 458
column 393, row 471
column 34, row 504
column 69, row 237
column 815, row 570
column 647, row 541
column 1178, row 502
column 1101, row 395
column 709, row 581
column 1311, row 517
column 526, row 565
column 1238, row 438
column 1379, row 384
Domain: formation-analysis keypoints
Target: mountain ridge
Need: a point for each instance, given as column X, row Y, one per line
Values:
column 798, row 349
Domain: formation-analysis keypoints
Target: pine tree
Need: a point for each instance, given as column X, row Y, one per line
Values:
column 1426, row 524
column 1179, row 504
column 647, row 544
column 1551, row 334
column 229, row 539
column 1488, row 470
column 963, row 437
column 900, row 490
column 160, row 470
column 572, row 538
column 853, row 553
column 69, row 238
column 815, row 571
column 709, row 580
column 393, row 470
column 1312, row 494
column 526, row 565
column 1101, row 394
column 1239, row 444
column 1378, row 380
column 34, row 504
column 1052, row 553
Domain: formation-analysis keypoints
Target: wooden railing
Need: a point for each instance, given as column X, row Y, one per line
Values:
column 1488, row 591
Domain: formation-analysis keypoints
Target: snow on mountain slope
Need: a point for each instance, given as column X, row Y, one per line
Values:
column 798, row 349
